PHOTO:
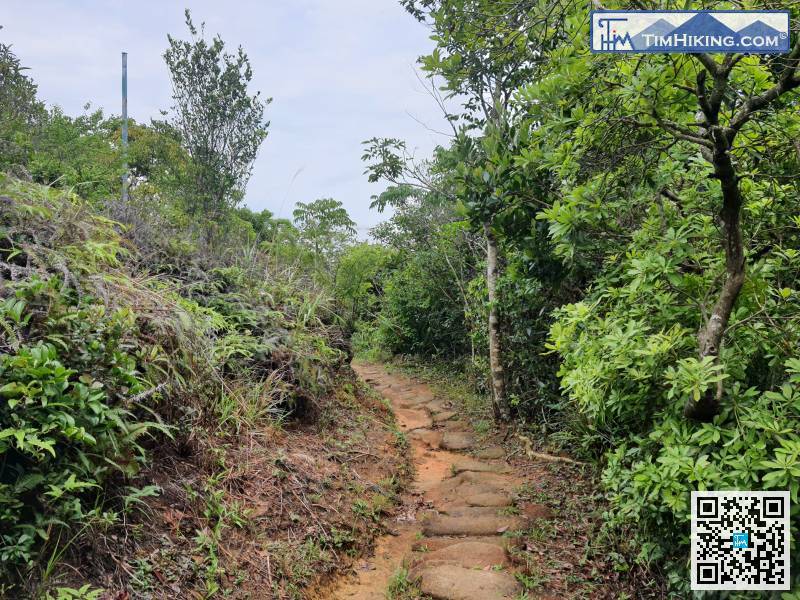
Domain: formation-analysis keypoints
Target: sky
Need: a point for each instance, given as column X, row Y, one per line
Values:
column 339, row 72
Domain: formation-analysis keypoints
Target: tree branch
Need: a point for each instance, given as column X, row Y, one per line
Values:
column 786, row 82
column 708, row 62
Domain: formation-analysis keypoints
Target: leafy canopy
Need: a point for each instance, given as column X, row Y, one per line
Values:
column 219, row 122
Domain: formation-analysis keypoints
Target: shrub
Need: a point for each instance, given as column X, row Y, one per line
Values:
column 105, row 348
column 629, row 363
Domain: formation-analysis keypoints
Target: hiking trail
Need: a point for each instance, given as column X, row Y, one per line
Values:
column 449, row 531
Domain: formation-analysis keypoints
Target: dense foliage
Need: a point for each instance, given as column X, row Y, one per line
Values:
column 645, row 209
column 608, row 245
column 125, row 326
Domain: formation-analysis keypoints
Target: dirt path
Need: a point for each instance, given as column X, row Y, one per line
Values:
column 452, row 533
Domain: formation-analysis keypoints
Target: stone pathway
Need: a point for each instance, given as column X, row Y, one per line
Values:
column 450, row 536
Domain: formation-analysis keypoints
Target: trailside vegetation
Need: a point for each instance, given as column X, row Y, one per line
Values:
column 176, row 401
column 608, row 246
column 627, row 226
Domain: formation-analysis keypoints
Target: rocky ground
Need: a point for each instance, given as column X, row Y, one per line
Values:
column 480, row 522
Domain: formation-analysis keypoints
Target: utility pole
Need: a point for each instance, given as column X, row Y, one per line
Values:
column 125, row 126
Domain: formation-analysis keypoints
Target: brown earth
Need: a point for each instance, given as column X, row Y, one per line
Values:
column 482, row 520
column 460, row 570
column 262, row 515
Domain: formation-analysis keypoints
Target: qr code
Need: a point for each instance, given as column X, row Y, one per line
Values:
column 740, row 540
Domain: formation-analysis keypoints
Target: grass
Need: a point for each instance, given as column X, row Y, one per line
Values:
column 531, row 492
column 401, row 587
column 533, row 579
column 364, row 509
column 246, row 404
column 508, row 511
column 219, row 515
column 542, row 530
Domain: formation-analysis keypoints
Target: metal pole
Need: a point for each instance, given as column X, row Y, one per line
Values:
column 125, row 126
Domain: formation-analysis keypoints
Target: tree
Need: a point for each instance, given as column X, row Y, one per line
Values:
column 485, row 50
column 359, row 282
column 723, row 116
column 77, row 152
column 727, row 107
column 674, row 184
column 220, row 123
column 325, row 227
column 156, row 159
column 20, row 110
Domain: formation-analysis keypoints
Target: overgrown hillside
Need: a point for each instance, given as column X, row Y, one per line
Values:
column 178, row 417
column 149, row 410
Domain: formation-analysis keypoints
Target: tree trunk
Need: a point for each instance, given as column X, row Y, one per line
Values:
column 502, row 410
column 710, row 337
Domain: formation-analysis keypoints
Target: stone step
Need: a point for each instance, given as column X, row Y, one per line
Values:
column 457, row 440
column 468, row 554
column 491, row 452
column 496, row 499
column 412, row 403
column 452, row 582
column 469, row 483
column 469, row 464
column 437, row 543
column 471, row 521
column 441, row 417
column 432, row 439
column 410, row 419
column 437, row 406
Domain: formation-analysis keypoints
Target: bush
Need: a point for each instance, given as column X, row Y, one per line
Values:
column 74, row 369
column 99, row 359
column 629, row 363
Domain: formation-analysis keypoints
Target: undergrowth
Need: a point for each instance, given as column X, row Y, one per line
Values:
column 120, row 342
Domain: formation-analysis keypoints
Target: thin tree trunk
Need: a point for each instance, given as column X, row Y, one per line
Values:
column 710, row 337
column 502, row 411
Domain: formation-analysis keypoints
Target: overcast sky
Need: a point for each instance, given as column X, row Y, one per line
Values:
column 340, row 72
